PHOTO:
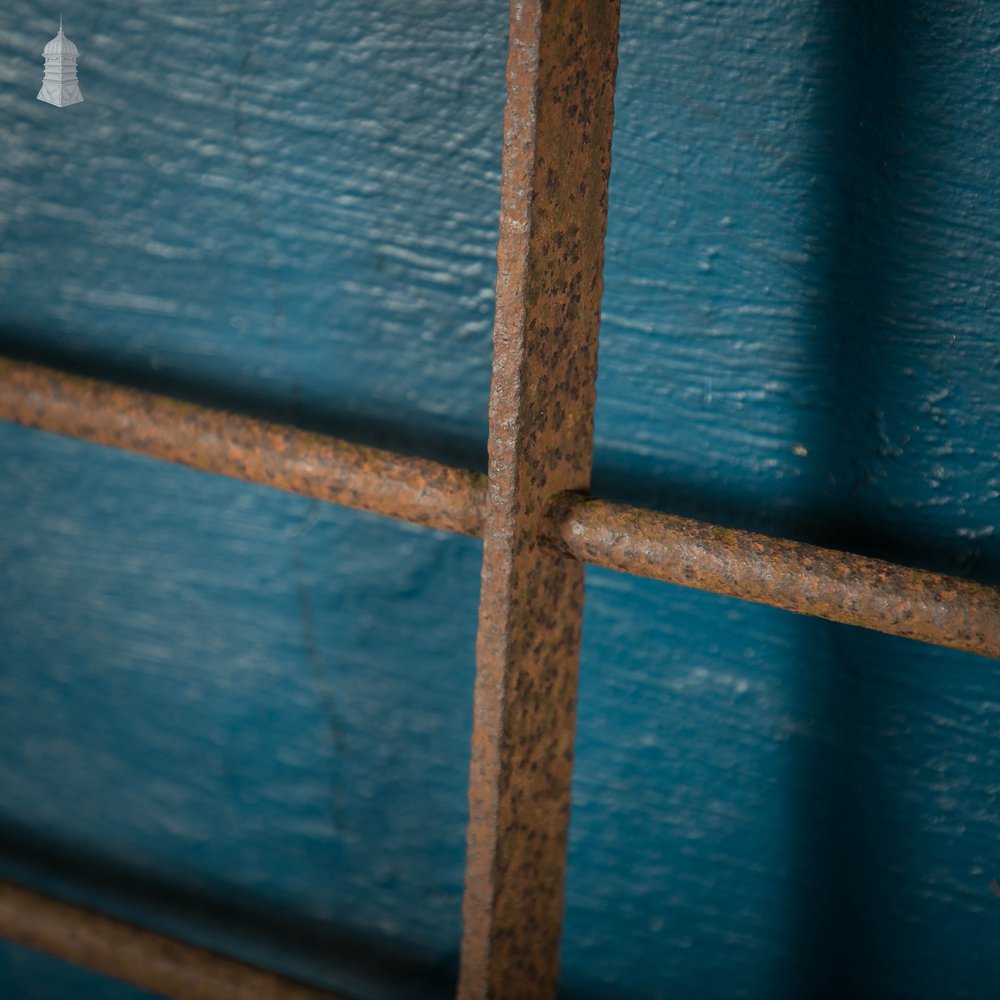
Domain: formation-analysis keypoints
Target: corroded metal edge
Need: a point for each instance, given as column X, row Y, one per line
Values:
column 807, row 579
column 412, row 489
column 151, row 961
column 553, row 215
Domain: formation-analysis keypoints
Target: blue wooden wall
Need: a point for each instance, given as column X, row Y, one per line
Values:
column 244, row 717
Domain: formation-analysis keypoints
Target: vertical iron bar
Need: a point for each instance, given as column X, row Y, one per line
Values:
column 553, row 216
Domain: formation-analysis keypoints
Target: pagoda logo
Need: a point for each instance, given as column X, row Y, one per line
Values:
column 59, row 85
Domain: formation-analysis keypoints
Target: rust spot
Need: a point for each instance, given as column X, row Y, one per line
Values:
column 807, row 579
column 557, row 127
column 413, row 489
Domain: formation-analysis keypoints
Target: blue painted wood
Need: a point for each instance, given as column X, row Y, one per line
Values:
column 31, row 976
column 213, row 691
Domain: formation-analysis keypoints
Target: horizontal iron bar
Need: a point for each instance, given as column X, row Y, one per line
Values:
column 153, row 962
column 809, row 580
column 930, row 607
column 315, row 465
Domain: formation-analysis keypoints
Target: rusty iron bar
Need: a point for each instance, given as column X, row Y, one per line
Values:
column 806, row 579
column 809, row 580
column 825, row 583
column 151, row 961
column 413, row 489
column 538, row 528
column 562, row 60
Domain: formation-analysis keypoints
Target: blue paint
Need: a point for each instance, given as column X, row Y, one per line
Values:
column 216, row 692
column 31, row 976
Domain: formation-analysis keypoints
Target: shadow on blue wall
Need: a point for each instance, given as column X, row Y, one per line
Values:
column 234, row 923
column 863, row 718
column 872, row 245
column 413, row 436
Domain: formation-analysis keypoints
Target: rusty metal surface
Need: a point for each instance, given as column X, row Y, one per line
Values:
column 840, row 586
column 553, row 214
column 807, row 579
column 148, row 960
column 413, row 489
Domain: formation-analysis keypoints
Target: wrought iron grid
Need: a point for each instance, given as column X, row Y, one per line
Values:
column 537, row 521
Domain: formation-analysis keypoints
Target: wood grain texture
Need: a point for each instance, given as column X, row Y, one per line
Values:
column 295, row 210
column 798, row 314
column 800, row 336
column 204, row 684
column 250, row 186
